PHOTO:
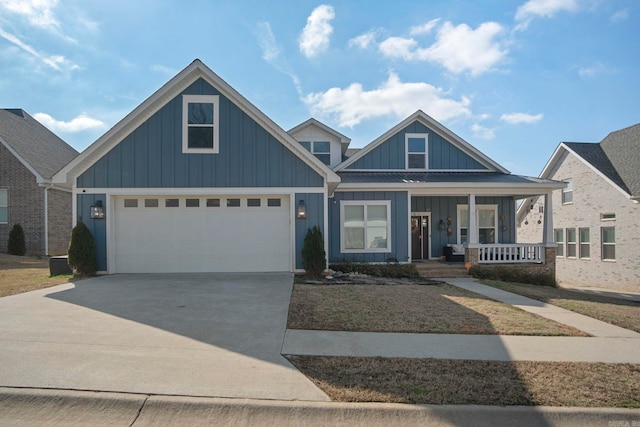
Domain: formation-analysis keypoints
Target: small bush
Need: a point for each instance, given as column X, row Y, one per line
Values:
column 392, row 270
column 16, row 244
column 82, row 250
column 314, row 258
column 513, row 275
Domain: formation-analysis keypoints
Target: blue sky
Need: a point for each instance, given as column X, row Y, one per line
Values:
column 513, row 78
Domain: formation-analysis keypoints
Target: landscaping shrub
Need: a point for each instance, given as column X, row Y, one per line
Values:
column 513, row 275
column 393, row 270
column 82, row 250
column 314, row 258
column 16, row 244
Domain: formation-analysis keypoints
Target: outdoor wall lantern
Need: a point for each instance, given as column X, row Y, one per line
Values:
column 97, row 212
column 441, row 225
column 302, row 210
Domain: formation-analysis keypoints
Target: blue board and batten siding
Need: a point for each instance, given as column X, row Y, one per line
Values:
column 151, row 156
column 314, row 205
column 399, row 227
column 98, row 227
column 442, row 208
column 391, row 154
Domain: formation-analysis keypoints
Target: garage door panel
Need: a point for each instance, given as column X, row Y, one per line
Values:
column 202, row 239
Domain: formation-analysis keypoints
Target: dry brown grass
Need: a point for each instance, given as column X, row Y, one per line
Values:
column 24, row 273
column 358, row 379
column 623, row 313
column 441, row 309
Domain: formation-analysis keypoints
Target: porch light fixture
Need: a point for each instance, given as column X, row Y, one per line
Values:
column 441, row 225
column 302, row 210
column 97, row 212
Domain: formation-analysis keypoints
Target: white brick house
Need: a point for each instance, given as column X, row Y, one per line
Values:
column 596, row 218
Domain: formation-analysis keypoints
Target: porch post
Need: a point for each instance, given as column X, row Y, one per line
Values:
column 472, row 231
column 547, row 229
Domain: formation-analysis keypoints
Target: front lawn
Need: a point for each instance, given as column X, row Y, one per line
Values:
column 24, row 273
column 442, row 309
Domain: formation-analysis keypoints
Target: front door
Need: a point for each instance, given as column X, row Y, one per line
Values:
column 419, row 237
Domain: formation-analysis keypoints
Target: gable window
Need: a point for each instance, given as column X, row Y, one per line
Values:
column 608, row 243
column 320, row 149
column 571, row 242
column 585, row 249
column 416, row 148
column 4, row 206
column 366, row 226
column 486, row 217
column 559, row 238
column 200, row 123
column 567, row 193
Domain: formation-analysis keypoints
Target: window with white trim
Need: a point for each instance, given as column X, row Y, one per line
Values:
column 567, row 192
column 320, row 149
column 571, row 242
column 558, row 234
column 608, row 236
column 365, row 226
column 200, row 123
column 4, row 206
column 585, row 246
column 487, row 219
column 416, row 147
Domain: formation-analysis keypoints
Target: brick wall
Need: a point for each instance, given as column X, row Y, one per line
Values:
column 59, row 214
column 26, row 203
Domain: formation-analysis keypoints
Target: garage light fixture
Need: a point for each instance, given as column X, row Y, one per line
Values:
column 97, row 212
column 302, row 210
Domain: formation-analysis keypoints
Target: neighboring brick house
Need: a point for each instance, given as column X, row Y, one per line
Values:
column 597, row 216
column 29, row 156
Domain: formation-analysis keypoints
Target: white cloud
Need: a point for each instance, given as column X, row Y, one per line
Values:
column 38, row 13
column 363, row 41
column 482, row 132
column 424, row 28
column 393, row 98
column 315, row 35
column 592, row 70
column 164, row 70
column 620, row 16
column 57, row 62
column 78, row 124
column 543, row 9
column 515, row 118
column 457, row 48
column 272, row 53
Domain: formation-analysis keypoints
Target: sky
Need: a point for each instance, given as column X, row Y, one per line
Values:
column 513, row 78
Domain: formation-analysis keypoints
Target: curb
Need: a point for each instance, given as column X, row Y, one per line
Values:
column 47, row 407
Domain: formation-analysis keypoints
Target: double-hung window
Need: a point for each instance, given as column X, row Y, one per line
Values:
column 200, row 125
column 559, row 238
column 320, row 149
column 567, row 192
column 417, row 149
column 366, row 226
column 585, row 249
column 486, row 217
column 4, row 206
column 608, row 235
column 571, row 242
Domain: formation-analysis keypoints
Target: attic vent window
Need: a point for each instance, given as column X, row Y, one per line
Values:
column 200, row 126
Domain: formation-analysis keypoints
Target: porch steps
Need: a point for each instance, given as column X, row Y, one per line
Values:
column 434, row 269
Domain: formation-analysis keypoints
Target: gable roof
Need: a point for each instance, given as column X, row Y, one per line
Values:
column 431, row 123
column 167, row 92
column 344, row 141
column 35, row 146
column 616, row 159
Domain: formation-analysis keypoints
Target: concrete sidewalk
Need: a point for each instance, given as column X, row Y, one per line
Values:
column 28, row 407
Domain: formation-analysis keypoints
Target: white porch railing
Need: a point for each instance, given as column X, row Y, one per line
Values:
column 516, row 253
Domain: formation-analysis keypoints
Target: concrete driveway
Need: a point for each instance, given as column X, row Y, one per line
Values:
column 216, row 335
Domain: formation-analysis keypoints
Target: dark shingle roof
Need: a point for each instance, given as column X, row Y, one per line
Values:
column 38, row 146
column 425, row 177
column 623, row 150
column 595, row 155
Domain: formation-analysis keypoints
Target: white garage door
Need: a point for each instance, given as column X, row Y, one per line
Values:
column 202, row 234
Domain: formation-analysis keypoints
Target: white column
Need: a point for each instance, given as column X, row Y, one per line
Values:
column 547, row 229
column 472, row 232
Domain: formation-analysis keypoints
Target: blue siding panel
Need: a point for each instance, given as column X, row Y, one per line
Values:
column 399, row 227
column 391, row 153
column 98, row 227
column 152, row 154
column 314, row 205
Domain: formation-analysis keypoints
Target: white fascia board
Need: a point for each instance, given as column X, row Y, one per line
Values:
column 157, row 100
column 429, row 122
column 39, row 178
column 455, row 188
column 314, row 122
column 199, row 191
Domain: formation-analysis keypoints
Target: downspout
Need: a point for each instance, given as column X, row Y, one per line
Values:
column 46, row 220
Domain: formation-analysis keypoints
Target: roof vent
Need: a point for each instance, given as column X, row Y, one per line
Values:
column 17, row 111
